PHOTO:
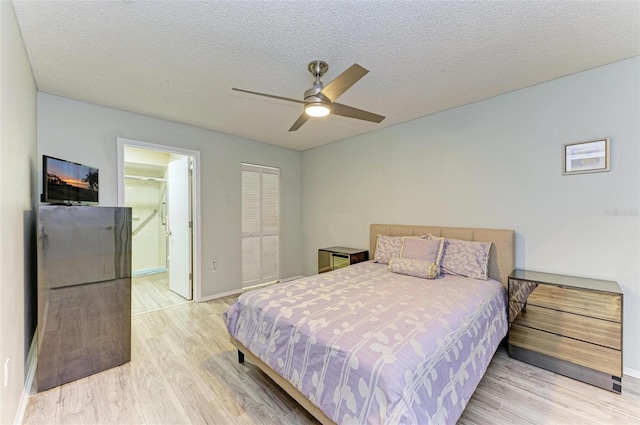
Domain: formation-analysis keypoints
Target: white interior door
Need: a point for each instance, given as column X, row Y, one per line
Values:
column 178, row 228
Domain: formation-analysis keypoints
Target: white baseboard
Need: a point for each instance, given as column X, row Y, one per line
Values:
column 634, row 373
column 287, row 279
column 147, row 272
column 275, row 282
column 250, row 288
column 220, row 295
column 32, row 361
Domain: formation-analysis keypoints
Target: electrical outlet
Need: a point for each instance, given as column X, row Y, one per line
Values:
column 6, row 372
column 214, row 266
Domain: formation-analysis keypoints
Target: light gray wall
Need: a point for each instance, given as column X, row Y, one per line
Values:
column 497, row 163
column 87, row 133
column 17, row 225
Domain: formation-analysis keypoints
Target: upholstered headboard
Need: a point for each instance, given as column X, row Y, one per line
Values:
column 502, row 255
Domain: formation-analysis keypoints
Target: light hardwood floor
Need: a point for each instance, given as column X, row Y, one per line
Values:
column 184, row 370
column 152, row 292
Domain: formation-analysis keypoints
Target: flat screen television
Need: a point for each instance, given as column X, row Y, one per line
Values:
column 66, row 182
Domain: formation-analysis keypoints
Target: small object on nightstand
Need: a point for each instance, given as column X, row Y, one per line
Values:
column 568, row 325
column 337, row 257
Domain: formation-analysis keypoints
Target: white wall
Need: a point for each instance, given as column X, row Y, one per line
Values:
column 148, row 246
column 17, row 226
column 497, row 163
column 87, row 133
column 141, row 157
column 149, row 243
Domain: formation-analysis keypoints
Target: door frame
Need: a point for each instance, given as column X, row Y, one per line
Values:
column 197, row 243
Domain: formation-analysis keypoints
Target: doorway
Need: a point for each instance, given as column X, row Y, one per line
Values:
column 159, row 184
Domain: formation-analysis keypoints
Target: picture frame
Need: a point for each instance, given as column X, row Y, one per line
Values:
column 586, row 157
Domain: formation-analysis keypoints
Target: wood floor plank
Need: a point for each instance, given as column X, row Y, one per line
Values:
column 534, row 393
column 43, row 409
column 136, row 305
column 162, row 295
column 158, row 401
column 192, row 391
column 184, row 370
column 152, row 292
column 483, row 407
column 530, row 378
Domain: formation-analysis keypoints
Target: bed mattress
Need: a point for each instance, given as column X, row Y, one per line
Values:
column 368, row 346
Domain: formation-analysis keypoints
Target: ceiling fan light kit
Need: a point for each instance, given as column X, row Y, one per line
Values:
column 317, row 109
column 319, row 100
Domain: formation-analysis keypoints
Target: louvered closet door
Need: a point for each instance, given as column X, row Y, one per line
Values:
column 260, row 224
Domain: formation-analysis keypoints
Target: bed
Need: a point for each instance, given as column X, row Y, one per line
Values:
column 362, row 345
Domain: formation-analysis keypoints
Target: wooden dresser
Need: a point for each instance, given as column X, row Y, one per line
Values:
column 569, row 325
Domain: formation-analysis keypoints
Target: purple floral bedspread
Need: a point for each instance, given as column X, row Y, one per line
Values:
column 368, row 346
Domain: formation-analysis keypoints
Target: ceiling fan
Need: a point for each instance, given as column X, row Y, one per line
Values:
column 320, row 100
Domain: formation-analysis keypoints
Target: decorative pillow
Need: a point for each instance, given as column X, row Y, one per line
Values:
column 465, row 258
column 387, row 247
column 429, row 250
column 415, row 268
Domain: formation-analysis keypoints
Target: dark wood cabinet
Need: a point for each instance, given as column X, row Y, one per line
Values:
column 336, row 257
column 569, row 325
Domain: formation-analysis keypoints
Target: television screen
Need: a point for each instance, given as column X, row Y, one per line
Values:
column 68, row 182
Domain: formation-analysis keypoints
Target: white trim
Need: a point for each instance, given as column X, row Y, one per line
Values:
column 147, row 179
column 289, row 279
column 274, row 282
column 634, row 373
column 197, row 243
column 250, row 288
column 260, row 168
column 147, row 272
column 221, row 294
column 32, row 361
column 259, row 285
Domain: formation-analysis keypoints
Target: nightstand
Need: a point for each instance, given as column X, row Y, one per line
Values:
column 337, row 257
column 569, row 325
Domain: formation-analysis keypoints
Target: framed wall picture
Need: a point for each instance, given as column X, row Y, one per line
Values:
column 586, row 157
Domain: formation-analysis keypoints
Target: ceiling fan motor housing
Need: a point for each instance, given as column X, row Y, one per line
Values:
column 314, row 95
column 316, row 101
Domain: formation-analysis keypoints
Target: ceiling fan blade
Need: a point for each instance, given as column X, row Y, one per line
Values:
column 268, row 95
column 341, row 84
column 301, row 120
column 349, row 112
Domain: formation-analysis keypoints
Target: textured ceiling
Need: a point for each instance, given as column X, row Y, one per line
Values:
column 179, row 60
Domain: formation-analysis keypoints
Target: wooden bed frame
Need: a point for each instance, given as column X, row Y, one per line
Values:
column 501, row 264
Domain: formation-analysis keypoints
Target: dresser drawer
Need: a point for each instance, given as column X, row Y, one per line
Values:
column 587, row 329
column 570, row 325
column 600, row 305
column 592, row 356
